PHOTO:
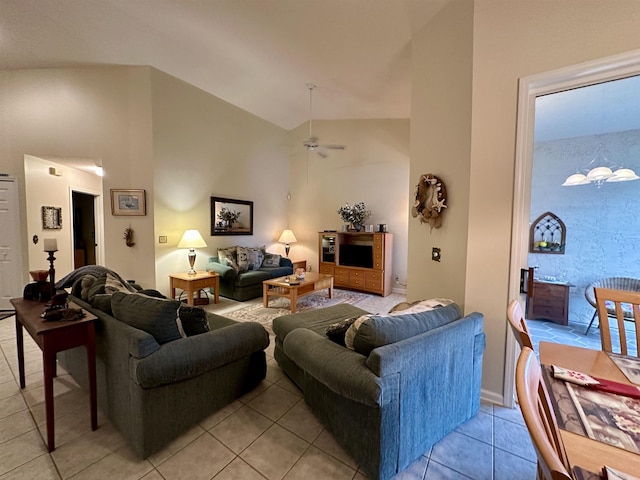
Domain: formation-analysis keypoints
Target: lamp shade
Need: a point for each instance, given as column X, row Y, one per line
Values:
column 191, row 239
column 287, row 237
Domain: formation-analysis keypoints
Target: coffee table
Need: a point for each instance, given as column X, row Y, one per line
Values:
column 294, row 288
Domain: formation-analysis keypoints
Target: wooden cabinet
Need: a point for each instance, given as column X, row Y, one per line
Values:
column 358, row 261
column 549, row 300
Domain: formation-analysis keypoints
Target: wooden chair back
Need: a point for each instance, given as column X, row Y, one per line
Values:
column 617, row 298
column 540, row 418
column 518, row 325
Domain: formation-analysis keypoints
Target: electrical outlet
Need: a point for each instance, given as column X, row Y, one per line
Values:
column 436, row 254
column 162, row 239
column 308, row 268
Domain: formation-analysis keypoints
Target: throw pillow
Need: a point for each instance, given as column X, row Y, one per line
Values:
column 85, row 284
column 336, row 331
column 114, row 285
column 156, row 316
column 271, row 260
column 420, row 306
column 352, row 331
column 227, row 256
column 194, row 320
column 96, row 288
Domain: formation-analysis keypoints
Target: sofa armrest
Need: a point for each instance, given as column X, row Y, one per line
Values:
column 224, row 271
column 342, row 370
column 192, row 356
column 285, row 262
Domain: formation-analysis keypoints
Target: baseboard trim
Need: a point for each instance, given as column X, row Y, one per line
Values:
column 492, row 397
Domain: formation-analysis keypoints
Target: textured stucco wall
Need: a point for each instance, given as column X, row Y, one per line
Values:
column 603, row 223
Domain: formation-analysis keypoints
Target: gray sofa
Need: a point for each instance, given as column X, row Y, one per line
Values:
column 242, row 286
column 153, row 391
column 410, row 381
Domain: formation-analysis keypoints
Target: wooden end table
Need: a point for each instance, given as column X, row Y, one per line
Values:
column 194, row 283
column 279, row 287
column 53, row 337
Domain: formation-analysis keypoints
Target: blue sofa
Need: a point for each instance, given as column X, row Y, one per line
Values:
column 242, row 286
column 410, row 381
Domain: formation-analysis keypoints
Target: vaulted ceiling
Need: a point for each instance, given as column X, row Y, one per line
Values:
column 255, row 54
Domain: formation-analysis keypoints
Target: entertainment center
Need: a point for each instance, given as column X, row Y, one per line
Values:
column 357, row 260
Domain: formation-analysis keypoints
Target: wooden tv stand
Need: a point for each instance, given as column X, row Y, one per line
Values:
column 346, row 271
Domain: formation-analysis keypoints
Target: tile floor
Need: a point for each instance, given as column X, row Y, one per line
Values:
column 269, row 433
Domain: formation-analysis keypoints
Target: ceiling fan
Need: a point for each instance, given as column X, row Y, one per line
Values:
column 312, row 142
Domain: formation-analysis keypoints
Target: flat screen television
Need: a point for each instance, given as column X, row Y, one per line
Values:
column 356, row 255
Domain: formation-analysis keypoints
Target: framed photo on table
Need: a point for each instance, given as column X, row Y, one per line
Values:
column 128, row 202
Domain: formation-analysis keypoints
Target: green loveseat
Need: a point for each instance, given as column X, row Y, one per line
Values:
column 410, row 381
column 153, row 392
column 242, row 286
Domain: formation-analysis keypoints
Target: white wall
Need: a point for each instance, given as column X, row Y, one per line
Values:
column 92, row 113
column 374, row 169
column 440, row 145
column 203, row 147
column 512, row 40
column 43, row 189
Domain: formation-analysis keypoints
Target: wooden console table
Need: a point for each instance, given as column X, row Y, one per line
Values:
column 53, row 337
column 549, row 300
column 194, row 283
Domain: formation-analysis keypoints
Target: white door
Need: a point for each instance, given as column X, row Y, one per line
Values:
column 11, row 281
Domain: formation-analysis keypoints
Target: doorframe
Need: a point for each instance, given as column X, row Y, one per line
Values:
column 98, row 214
column 581, row 75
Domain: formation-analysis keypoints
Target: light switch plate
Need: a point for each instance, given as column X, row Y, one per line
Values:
column 162, row 239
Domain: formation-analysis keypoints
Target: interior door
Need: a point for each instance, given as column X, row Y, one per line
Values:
column 11, row 281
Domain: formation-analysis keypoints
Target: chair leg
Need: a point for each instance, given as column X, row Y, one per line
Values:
column 591, row 322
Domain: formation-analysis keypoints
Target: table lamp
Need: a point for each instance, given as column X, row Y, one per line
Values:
column 192, row 239
column 287, row 238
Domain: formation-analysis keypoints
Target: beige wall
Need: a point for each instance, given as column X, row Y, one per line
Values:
column 440, row 145
column 203, row 147
column 513, row 39
column 84, row 112
column 43, row 189
column 374, row 169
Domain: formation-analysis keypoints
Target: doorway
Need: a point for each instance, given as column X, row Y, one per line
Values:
column 530, row 88
column 84, row 229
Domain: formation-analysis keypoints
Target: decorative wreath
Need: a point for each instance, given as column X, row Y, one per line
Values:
column 431, row 196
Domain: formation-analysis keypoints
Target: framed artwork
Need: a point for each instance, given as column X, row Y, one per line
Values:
column 231, row 217
column 128, row 202
column 51, row 218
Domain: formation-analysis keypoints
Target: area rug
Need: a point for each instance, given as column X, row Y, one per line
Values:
column 281, row 306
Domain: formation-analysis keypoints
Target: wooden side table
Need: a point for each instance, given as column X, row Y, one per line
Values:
column 549, row 300
column 53, row 337
column 194, row 283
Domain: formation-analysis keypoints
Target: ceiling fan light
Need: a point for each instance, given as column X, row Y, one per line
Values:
column 575, row 179
column 623, row 175
column 599, row 174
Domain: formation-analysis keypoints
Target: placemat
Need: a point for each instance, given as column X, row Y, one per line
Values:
column 630, row 366
column 604, row 417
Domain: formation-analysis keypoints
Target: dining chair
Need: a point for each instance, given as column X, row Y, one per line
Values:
column 540, row 419
column 518, row 324
column 615, row 283
column 626, row 305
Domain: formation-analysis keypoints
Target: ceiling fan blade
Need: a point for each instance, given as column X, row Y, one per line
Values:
column 335, row 147
column 320, row 151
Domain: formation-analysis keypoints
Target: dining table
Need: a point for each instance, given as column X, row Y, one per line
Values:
column 583, row 451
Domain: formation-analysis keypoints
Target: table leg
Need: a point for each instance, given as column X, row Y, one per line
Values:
column 294, row 299
column 216, row 295
column 331, row 289
column 189, row 295
column 91, row 357
column 48, row 359
column 20, row 347
column 265, row 297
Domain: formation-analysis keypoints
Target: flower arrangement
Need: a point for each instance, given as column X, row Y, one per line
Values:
column 229, row 216
column 355, row 214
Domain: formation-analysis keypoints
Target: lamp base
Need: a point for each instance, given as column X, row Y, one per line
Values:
column 192, row 261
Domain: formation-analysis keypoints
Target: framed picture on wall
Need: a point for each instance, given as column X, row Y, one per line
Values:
column 231, row 217
column 51, row 218
column 128, row 202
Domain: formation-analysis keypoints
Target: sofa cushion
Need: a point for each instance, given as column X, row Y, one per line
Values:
column 315, row 320
column 378, row 330
column 227, row 257
column 250, row 258
column 156, row 316
column 271, row 260
column 252, row 278
column 193, row 319
column 102, row 301
column 419, row 306
column 276, row 272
